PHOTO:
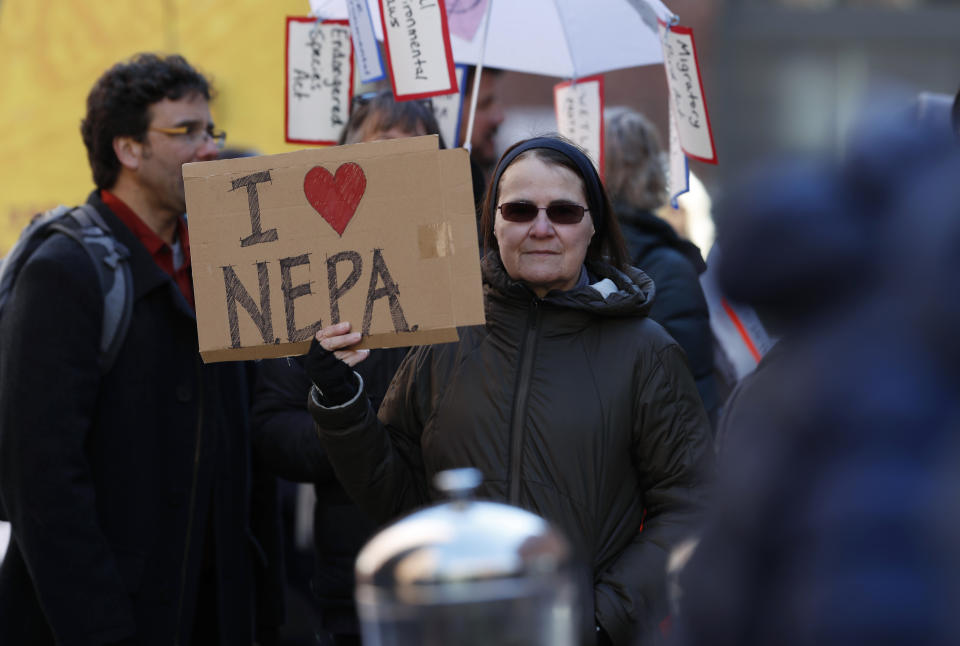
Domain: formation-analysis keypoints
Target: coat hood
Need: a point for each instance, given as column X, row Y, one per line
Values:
column 611, row 292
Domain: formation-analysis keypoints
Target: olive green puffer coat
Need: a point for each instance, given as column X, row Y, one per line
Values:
column 575, row 406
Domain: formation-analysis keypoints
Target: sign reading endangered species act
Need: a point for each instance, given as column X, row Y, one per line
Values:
column 380, row 234
column 319, row 80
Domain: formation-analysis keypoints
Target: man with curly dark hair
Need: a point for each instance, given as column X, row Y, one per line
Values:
column 129, row 486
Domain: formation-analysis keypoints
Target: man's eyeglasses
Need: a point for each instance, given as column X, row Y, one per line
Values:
column 560, row 213
column 194, row 132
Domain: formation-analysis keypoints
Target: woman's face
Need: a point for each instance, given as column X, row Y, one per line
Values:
column 544, row 255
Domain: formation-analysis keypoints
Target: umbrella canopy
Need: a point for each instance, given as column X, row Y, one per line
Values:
column 567, row 38
column 563, row 38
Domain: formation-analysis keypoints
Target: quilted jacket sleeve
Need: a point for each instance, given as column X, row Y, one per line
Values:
column 673, row 452
column 680, row 307
column 378, row 460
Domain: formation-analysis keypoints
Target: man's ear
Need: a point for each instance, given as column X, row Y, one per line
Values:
column 129, row 151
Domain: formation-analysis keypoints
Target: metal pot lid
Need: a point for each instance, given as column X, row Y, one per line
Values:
column 461, row 541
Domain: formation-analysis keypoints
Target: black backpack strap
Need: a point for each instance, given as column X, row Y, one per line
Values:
column 111, row 260
column 30, row 238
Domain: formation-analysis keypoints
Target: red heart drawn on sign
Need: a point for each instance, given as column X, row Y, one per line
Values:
column 335, row 197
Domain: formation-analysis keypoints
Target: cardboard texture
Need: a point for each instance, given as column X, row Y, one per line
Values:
column 381, row 234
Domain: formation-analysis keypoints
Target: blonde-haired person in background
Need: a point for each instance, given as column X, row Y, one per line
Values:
column 636, row 182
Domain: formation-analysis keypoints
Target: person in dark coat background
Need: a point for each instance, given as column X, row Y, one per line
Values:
column 636, row 181
column 834, row 520
column 284, row 434
column 137, row 513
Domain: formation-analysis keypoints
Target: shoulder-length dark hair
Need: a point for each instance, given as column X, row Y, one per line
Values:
column 607, row 243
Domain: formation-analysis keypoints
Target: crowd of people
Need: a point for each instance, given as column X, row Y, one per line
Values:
column 146, row 494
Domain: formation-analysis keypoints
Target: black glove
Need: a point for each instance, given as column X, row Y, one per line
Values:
column 333, row 378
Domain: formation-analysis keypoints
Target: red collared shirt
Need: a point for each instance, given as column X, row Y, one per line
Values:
column 160, row 251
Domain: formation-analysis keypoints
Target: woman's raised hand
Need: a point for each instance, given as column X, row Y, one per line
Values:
column 330, row 361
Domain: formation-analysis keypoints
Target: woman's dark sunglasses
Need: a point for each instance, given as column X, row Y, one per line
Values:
column 562, row 213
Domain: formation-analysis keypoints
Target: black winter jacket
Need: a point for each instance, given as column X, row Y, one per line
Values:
column 285, row 439
column 112, row 482
column 675, row 265
column 576, row 407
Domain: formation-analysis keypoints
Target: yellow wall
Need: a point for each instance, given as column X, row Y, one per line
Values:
column 52, row 51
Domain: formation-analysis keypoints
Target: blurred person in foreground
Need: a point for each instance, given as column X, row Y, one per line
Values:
column 834, row 518
column 571, row 401
column 135, row 507
column 636, row 181
column 284, row 433
column 955, row 115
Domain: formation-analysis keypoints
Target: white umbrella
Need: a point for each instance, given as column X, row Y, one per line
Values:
column 564, row 38
column 568, row 38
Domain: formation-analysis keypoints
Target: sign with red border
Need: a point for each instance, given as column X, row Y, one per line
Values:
column 417, row 44
column 579, row 109
column 687, row 100
column 318, row 80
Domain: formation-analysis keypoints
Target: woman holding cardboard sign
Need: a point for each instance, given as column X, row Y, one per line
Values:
column 570, row 400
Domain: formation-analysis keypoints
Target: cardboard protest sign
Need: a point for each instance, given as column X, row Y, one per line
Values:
column 448, row 109
column 687, row 102
column 417, row 43
column 369, row 63
column 579, row 108
column 319, row 79
column 381, row 234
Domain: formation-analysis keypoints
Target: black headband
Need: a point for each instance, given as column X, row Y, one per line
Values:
column 591, row 180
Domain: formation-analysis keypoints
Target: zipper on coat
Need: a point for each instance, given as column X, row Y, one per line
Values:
column 519, row 415
column 191, row 510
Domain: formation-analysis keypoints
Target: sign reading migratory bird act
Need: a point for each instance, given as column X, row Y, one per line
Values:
column 380, row 234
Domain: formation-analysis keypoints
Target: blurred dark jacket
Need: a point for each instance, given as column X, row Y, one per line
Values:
column 675, row 265
column 833, row 519
column 286, row 441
